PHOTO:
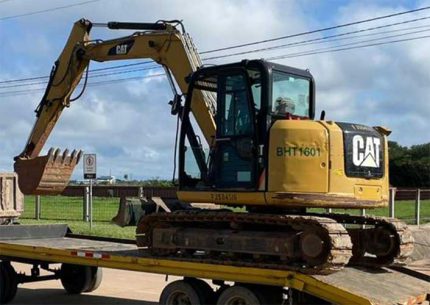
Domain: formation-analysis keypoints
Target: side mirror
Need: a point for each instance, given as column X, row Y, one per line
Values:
column 322, row 116
column 176, row 104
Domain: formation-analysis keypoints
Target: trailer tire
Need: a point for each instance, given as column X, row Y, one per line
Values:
column 3, row 284
column 8, row 282
column 240, row 295
column 96, row 279
column 77, row 279
column 207, row 294
column 272, row 295
column 182, row 292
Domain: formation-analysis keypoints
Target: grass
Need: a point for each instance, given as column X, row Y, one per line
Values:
column 104, row 229
column 404, row 209
column 71, row 208
column 59, row 209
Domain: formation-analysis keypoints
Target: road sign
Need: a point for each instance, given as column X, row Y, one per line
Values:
column 90, row 166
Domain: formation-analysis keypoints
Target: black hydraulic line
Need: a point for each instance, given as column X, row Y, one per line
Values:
column 115, row 25
column 83, row 87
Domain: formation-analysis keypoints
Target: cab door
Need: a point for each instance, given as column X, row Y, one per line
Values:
column 235, row 151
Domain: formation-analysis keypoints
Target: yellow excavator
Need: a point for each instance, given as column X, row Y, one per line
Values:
column 261, row 150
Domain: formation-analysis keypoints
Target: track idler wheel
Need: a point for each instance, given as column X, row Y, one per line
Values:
column 383, row 243
column 313, row 247
column 379, row 241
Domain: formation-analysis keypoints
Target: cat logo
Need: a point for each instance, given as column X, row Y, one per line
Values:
column 365, row 152
column 121, row 49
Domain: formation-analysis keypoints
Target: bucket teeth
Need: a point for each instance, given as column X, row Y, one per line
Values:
column 55, row 156
column 65, row 153
column 49, row 174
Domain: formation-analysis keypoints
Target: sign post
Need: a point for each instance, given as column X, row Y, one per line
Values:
column 90, row 172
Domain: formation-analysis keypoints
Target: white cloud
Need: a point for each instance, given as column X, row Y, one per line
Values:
column 129, row 123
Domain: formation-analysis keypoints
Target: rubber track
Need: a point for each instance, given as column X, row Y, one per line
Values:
column 340, row 248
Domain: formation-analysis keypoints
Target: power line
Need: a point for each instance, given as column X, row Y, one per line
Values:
column 298, row 43
column 347, row 46
column 90, row 76
column 317, row 30
column 365, row 41
column 326, row 38
column 47, row 10
column 23, row 92
column 313, row 52
column 263, row 49
column 291, row 55
column 93, row 70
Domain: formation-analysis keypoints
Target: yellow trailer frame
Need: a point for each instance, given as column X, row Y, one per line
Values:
column 351, row 286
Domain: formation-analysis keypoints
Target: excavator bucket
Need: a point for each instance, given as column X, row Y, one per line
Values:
column 46, row 175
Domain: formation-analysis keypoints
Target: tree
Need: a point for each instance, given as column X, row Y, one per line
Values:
column 409, row 167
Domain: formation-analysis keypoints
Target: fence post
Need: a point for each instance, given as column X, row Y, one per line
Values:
column 392, row 201
column 37, row 207
column 86, row 202
column 329, row 210
column 418, row 207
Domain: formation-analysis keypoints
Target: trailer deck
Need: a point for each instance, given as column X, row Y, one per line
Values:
column 56, row 244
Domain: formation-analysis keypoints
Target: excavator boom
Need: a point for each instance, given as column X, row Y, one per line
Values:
column 161, row 42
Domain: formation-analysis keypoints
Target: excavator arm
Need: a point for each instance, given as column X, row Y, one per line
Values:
column 161, row 42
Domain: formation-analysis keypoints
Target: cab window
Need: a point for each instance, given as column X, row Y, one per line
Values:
column 290, row 94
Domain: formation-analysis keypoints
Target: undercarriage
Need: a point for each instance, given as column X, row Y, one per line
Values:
column 309, row 243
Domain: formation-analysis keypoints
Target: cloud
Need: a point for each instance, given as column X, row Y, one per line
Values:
column 128, row 124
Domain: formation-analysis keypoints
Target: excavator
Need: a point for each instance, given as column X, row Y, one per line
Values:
column 249, row 141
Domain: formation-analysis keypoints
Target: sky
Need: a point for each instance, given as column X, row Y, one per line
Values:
column 128, row 124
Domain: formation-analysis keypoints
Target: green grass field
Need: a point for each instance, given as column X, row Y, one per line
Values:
column 71, row 208
column 104, row 229
column 59, row 209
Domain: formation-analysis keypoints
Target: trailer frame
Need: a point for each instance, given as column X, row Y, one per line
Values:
column 53, row 244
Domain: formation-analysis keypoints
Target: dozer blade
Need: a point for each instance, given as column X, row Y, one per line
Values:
column 46, row 175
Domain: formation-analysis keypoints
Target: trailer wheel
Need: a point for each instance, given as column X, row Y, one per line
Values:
column 182, row 292
column 240, row 295
column 205, row 291
column 77, row 279
column 4, row 283
column 96, row 279
column 8, row 282
column 271, row 295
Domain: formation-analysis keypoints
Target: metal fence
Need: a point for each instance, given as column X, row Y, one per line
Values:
column 419, row 198
column 73, row 203
column 411, row 205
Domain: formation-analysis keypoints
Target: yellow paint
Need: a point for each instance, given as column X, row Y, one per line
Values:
column 306, row 169
column 291, row 279
column 317, row 180
column 298, row 157
column 227, row 198
column 169, row 48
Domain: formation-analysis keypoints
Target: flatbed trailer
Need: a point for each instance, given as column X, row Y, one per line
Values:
column 82, row 258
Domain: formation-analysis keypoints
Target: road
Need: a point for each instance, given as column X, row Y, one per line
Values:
column 118, row 287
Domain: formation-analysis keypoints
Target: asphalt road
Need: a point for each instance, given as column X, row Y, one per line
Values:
column 117, row 287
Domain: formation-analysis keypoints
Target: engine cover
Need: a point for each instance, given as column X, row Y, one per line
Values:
column 363, row 151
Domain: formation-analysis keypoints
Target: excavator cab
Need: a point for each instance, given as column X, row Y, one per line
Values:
column 250, row 96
